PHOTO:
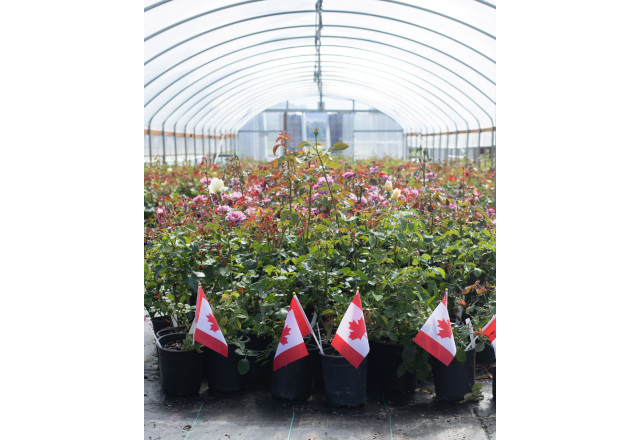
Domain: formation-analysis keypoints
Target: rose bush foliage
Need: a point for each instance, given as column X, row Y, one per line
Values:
column 313, row 223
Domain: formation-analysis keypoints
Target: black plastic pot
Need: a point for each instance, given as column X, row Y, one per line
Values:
column 171, row 329
column 486, row 356
column 179, row 370
column 184, row 329
column 222, row 373
column 343, row 384
column 317, row 385
column 293, row 381
column 160, row 323
column 385, row 358
column 258, row 373
column 454, row 381
column 493, row 383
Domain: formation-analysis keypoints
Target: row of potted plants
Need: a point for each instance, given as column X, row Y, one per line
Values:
column 182, row 368
column 310, row 222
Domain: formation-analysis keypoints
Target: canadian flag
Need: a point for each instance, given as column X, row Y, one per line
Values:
column 291, row 346
column 207, row 331
column 351, row 339
column 303, row 323
column 436, row 336
column 490, row 331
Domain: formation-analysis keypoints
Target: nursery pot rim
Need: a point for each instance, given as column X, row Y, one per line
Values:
column 170, row 329
column 331, row 355
column 161, row 347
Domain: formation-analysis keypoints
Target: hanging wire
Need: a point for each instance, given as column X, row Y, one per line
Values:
column 317, row 74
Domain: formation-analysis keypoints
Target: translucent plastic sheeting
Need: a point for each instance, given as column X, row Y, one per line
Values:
column 211, row 66
column 368, row 133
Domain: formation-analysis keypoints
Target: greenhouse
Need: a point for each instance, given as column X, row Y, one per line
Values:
column 221, row 78
column 320, row 219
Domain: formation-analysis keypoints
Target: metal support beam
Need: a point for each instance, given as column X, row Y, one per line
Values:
column 164, row 154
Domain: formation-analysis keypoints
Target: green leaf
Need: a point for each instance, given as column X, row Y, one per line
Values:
column 440, row 271
column 303, row 144
column 409, row 353
column 483, row 213
column 338, row 146
column 461, row 356
column 477, row 272
column 377, row 297
column 243, row 366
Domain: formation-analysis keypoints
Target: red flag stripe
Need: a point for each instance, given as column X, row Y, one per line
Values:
column 303, row 323
column 211, row 342
column 201, row 297
column 432, row 347
column 346, row 350
column 490, row 329
column 293, row 354
column 356, row 301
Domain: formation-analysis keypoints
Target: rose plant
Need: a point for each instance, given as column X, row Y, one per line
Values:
column 315, row 223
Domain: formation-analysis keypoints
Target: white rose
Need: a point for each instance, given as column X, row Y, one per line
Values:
column 395, row 195
column 388, row 186
column 216, row 186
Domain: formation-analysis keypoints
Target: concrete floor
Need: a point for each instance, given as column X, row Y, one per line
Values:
column 253, row 414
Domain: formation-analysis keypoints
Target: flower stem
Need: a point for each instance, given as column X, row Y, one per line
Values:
column 324, row 172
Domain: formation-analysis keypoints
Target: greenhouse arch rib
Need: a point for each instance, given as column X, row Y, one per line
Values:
column 356, row 68
column 165, row 51
column 382, row 105
column 438, row 96
column 418, row 55
column 336, row 37
column 342, row 46
column 178, row 23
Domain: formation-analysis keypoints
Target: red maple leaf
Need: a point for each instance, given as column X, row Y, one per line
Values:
column 214, row 323
column 285, row 333
column 445, row 326
column 357, row 329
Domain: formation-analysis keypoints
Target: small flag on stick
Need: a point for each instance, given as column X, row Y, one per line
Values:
column 351, row 339
column 291, row 345
column 207, row 331
column 303, row 322
column 436, row 336
column 490, row 331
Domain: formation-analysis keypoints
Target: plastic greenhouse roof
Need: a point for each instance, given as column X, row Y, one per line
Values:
column 212, row 66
